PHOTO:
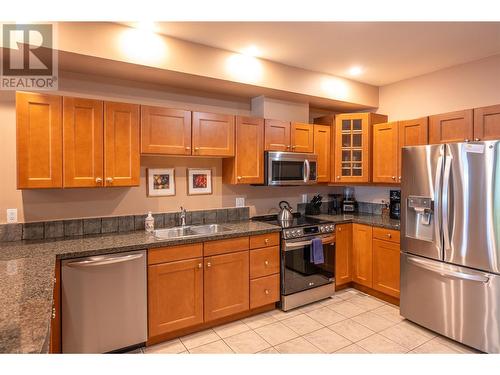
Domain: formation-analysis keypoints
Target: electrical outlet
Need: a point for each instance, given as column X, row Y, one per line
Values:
column 304, row 198
column 240, row 202
column 11, row 215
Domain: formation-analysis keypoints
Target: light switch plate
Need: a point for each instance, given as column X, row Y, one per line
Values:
column 304, row 198
column 11, row 215
column 240, row 202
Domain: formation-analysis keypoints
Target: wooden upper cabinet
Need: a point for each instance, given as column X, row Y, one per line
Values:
column 213, row 134
column 39, row 140
column 487, row 123
column 227, row 285
column 322, row 144
column 386, row 258
column 83, row 142
column 247, row 167
column 362, row 254
column 175, row 296
column 165, row 131
column 343, row 254
column 121, row 144
column 451, row 127
column 412, row 133
column 302, row 137
column 385, row 152
column 277, row 135
column 353, row 136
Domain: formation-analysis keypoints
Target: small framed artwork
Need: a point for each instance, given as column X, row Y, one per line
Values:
column 161, row 182
column 199, row 181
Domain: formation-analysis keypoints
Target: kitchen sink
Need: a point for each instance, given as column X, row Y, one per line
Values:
column 190, row 231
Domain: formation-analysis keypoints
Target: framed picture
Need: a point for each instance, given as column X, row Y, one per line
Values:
column 199, row 181
column 161, row 182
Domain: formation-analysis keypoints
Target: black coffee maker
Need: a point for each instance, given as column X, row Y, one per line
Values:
column 395, row 204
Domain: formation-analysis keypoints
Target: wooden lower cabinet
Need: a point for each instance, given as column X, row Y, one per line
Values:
column 386, row 267
column 55, row 345
column 343, row 251
column 175, row 295
column 264, row 290
column 226, row 281
column 362, row 254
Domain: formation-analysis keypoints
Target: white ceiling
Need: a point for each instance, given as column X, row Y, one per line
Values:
column 387, row 51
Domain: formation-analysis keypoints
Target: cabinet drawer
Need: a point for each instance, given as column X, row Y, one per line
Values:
column 264, row 240
column 265, row 261
column 264, row 290
column 386, row 234
column 174, row 253
column 230, row 245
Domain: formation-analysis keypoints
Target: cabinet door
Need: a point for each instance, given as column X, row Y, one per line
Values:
column 175, row 295
column 352, row 148
column 165, row 131
column 451, row 127
column 322, row 143
column 39, row 141
column 226, row 285
column 83, row 160
column 248, row 165
column 362, row 254
column 343, row 254
column 386, row 267
column 302, row 137
column 412, row 133
column 487, row 123
column 121, row 144
column 277, row 135
column 213, row 134
column 385, row 152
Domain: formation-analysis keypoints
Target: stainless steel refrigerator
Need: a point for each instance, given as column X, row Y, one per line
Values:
column 450, row 247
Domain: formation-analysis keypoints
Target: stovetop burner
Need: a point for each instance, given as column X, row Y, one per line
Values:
column 298, row 221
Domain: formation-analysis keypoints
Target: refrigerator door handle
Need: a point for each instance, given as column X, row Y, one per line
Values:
column 446, row 201
column 448, row 272
column 437, row 199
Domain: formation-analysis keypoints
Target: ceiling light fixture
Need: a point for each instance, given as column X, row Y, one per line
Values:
column 251, row 50
column 355, row 70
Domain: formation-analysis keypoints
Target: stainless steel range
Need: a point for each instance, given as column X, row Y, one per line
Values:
column 304, row 280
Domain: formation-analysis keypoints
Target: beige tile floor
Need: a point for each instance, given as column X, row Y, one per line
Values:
column 350, row 322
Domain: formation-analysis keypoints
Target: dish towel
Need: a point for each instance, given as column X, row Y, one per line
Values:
column 317, row 251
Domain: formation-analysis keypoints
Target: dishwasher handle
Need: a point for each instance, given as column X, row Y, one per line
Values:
column 104, row 261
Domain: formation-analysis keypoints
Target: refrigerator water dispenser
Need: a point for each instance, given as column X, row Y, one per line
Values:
column 419, row 218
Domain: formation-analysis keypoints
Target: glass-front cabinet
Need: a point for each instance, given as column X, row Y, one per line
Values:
column 353, row 134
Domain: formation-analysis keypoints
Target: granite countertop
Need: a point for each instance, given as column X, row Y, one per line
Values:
column 27, row 277
column 369, row 219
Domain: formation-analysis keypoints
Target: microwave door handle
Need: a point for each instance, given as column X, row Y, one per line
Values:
column 307, row 170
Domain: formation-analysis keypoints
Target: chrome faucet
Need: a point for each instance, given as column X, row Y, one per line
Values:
column 183, row 216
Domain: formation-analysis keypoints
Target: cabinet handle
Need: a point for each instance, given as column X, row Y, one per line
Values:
column 188, row 148
column 266, row 262
column 266, row 241
column 399, row 178
column 339, row 229
column 338, row 177
column 394, row 178
column 477, row 139
column 199, row 265
column 389, row 235
column 466, row 140
column 239, row 178
column 196, row 148
column 53, row 312
column 98, row 180
column 266, row 291
column 209, row 264
column 293, row 147
column 109, row 179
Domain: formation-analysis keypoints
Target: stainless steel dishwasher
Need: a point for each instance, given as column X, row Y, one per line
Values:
column 104, row 302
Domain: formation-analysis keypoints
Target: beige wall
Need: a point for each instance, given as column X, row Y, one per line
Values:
column 51, row 204
column 474, row 84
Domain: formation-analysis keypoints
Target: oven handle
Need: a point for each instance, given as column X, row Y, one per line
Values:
column 297, row 245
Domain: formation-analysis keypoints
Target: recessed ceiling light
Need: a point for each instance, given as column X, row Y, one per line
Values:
column 251, row 50
column 146, row 26
column 355, row 70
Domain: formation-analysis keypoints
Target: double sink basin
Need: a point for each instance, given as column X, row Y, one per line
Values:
column 190, row 231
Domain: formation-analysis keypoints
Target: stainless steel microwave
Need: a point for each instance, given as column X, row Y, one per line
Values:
column 290, row 168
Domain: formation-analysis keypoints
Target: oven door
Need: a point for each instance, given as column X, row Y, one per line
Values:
column 298, row 273
column 290, row 168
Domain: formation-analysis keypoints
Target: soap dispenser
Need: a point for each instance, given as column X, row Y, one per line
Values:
column 149, row 223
